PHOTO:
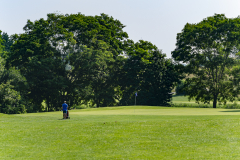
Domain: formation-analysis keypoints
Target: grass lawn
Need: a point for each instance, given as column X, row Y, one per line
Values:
column 139, row 132
column 181, row 99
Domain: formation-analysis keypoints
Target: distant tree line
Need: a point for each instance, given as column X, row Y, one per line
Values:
column 91, row 60
column 84, row 60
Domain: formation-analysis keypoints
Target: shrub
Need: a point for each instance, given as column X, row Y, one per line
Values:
column 82, row 106
column 194, row 105
column 231, row 106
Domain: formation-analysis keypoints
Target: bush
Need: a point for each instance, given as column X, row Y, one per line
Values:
column 194, row 105
column 82, row 106
column 231, row 106
column 14, row 109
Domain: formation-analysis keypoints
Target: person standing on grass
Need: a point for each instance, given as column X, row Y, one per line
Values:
column 64, row 108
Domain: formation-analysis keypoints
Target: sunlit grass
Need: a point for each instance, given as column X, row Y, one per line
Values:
column 135, row 132
column 182, row 101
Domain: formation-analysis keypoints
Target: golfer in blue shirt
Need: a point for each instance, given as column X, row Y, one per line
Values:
column 64, row 108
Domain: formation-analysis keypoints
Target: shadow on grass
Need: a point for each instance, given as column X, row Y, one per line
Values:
column 64, row 119
column 178, row 95
column 231, row 111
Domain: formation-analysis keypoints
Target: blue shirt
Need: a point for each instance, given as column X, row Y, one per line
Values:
column 65, row 106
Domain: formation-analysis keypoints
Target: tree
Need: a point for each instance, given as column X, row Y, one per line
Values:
column 10, row 83
column 86, row 29
column 41, row 53
column 100, row 34
column 41, row 63
column 11, row 100
column 208, row 48
column 91, row 71
column 8, row 41
column 147, row 72
column 160, row 76
column 1, row 43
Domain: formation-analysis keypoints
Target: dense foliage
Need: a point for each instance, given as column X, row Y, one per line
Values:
column 12, row 84
column 209, row 49
column 147, row 72
column 85, row 60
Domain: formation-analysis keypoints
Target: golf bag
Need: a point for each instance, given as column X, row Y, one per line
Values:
column 68, row 115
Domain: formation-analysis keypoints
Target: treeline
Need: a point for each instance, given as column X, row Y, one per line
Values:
column 84, row 60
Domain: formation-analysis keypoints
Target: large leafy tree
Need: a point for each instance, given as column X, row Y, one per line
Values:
column 209, row 49
column 41, row 55
column 148, row 72
column 87, row 29
column 99, row 34
column 11, row 85
column 91, row 71
column 40, row 62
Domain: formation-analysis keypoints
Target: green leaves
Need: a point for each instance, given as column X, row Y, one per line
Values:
column 92, row 68
column 7, row 42
column 12, row 82
column 150, row 74
column 1, row 43
column 209, row 48
column 85, row 59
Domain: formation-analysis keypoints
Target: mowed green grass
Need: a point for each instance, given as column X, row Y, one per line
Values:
column 181, row 99
column 176, row 99
column 140, row 132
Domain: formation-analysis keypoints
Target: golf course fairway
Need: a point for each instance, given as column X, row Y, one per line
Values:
column 129, row 132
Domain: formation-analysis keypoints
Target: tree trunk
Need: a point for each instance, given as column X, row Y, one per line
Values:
column 98, row 103
column 48, row 104
column 215, row 101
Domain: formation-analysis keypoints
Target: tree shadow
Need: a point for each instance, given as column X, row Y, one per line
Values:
column 64, row 119
column 178, row 95
column 231, row 111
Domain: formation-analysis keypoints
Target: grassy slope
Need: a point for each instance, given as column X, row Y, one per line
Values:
column 122, row 133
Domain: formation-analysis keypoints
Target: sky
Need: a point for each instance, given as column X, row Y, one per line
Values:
column 157, row 21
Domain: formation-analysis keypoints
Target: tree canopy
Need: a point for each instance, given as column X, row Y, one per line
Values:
column 1, row 43
column 209, row 49
column 8, row 41
column 148, row 72
column 87, row 59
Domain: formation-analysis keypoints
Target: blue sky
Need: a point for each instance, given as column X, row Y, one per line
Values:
column 157, row 21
